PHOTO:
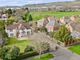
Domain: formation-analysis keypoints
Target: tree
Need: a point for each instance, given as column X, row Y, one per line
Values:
column 3, row 33
column 7, row 53
column 10, row 20
column 15, row 52
column 9, row 11
column 3, row 52
column 27, row 17
column 63, row 35
column 30, row 18
column 40, row 47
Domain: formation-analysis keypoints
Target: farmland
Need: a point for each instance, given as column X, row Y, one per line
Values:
column 40, row 15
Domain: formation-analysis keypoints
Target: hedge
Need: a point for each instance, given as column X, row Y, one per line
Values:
column 27, row 55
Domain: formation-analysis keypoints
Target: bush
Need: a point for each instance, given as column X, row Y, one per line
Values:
column 28, row 48
column 7, row 53
column 27, row 55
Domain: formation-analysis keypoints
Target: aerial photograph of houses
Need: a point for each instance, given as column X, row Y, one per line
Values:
column 39, row 29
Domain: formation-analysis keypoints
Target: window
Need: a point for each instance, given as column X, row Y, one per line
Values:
column 11, row 34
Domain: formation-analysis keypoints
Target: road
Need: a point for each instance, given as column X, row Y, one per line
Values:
column 64, row 54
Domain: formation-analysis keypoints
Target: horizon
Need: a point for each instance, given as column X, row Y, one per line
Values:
column 24, row 2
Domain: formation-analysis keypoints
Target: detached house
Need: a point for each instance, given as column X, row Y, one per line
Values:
column 74, row 28
column 18, row 30
column 75, row 18
column 65, row 20
column 51, row 24
column 3, row 16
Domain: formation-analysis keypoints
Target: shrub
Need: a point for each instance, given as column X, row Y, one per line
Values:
column 28, row 48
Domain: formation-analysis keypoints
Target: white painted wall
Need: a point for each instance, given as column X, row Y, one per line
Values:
column 14, row 32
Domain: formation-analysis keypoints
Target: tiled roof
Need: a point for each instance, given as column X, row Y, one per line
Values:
column 18, row 26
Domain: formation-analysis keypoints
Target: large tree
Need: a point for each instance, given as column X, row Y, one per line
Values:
column 9, row 11
column 41, row 47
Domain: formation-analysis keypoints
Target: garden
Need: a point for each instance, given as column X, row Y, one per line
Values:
column 23, row 49
column 75, row 49
column 19, row 43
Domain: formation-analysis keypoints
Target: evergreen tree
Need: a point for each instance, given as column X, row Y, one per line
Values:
column 27, row 17
column 63, row 34
column 30, row 18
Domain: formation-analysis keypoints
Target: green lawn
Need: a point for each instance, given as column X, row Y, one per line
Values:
column 21, row 44
column 75, row 49
column 39, row 15
column 44, row 57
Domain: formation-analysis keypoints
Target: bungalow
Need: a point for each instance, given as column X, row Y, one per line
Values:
column 18, row 30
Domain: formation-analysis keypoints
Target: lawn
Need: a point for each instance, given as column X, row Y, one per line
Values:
column 75, row 49
column 40, row 15
column 44, row 57
column 21, row 44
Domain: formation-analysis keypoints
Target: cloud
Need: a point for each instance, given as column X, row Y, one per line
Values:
column 23, row 2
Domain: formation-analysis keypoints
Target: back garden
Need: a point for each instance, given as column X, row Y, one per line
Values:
column 22, row 49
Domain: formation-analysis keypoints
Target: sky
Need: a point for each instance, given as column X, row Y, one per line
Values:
column 23, row 2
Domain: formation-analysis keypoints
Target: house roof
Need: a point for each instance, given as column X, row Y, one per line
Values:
column 49, row 20
column 66, row 19
column 19, row 25
column 75, row 26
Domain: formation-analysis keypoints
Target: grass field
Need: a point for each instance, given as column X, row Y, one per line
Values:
column 39, row 15
column 21, row 44
column 75, row 49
